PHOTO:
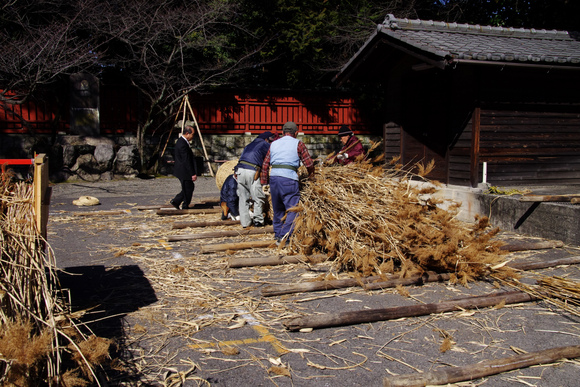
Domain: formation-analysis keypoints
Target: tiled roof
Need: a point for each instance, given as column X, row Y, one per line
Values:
column 457, row 42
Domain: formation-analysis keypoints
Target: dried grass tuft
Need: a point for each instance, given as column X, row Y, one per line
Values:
column 372, row 221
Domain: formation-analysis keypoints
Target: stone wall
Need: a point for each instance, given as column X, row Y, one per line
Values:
column 104, row 158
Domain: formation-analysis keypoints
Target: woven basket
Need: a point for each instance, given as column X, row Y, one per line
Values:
column 224, row 171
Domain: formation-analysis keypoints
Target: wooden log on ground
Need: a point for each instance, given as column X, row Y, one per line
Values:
column 223, row 233
column 236, row 246
column 575, row 201
column 315, row 286
column 549, row 198
column 483, row 369
column 189, row 211
column 372, row 283
column 275, row 260
column 100, row 213
column 181, row 225
column 373, row 315
column 153, row 207
column 522, row 246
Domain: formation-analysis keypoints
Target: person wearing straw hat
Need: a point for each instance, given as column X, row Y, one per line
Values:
column 185, row 169
column 249, row 187
column 284, row 157
column 351, row 146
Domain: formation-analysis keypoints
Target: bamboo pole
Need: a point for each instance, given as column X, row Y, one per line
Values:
column 275, row 260
column 372, row 283
column 549, row 198
column 181, row 225
column 235, row 246
column 222, row 234
column 482, row 369
column 373, row 315
column 189, row 211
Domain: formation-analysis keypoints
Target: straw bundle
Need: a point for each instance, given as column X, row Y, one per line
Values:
column 373, row 221
column 30, row 310
column 224, row 171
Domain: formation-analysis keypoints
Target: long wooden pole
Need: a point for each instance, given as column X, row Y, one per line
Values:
column 373, row 315
column 200, row 137
column 275, row 260
column 482, row 369
column 373, row 283
column 163, row 212
column 222, row 234
column 235, row 246
column 181, row 225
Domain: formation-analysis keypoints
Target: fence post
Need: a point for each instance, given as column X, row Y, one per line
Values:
column 41, row 193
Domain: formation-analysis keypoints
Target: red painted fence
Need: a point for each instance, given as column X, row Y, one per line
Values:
column 215, row 114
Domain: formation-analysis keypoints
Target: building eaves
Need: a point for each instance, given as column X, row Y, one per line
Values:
column 477, row 44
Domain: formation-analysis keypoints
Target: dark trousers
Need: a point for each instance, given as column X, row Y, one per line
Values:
column 285, row 194
column 187, row 187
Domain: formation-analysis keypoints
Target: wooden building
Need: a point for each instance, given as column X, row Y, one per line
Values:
column 488, row 104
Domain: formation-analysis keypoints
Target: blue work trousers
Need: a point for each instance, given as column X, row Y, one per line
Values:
column 285, row 195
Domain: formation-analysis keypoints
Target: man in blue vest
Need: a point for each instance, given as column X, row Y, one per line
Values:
column 249, row 187
column 284, row 156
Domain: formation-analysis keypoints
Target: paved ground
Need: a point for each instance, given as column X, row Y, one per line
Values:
column 173, row 309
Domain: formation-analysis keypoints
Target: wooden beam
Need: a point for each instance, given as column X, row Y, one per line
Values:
column 483, row 369
column 374, row 315
column 275, row 260
column 236, row 246
column 222, row 234
column 181, row 225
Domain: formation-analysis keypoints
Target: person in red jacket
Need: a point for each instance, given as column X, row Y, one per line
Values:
column 351, row 146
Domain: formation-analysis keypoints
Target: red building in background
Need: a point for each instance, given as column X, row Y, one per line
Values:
column 225, row 113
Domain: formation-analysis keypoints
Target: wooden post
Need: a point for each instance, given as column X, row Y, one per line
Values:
column 42, row 193
column 482, row 369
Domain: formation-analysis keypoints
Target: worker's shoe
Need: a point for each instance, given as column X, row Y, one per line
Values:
column 258, row 224
column 174, row 204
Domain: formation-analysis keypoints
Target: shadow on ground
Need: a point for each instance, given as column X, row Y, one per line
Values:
column 108, row 294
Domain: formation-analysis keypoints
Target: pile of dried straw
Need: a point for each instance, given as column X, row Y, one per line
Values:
column 36, row 336
column 372, row 220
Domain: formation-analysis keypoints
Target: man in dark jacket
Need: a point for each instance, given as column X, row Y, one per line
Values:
column 249, row 187
column 185, row 169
